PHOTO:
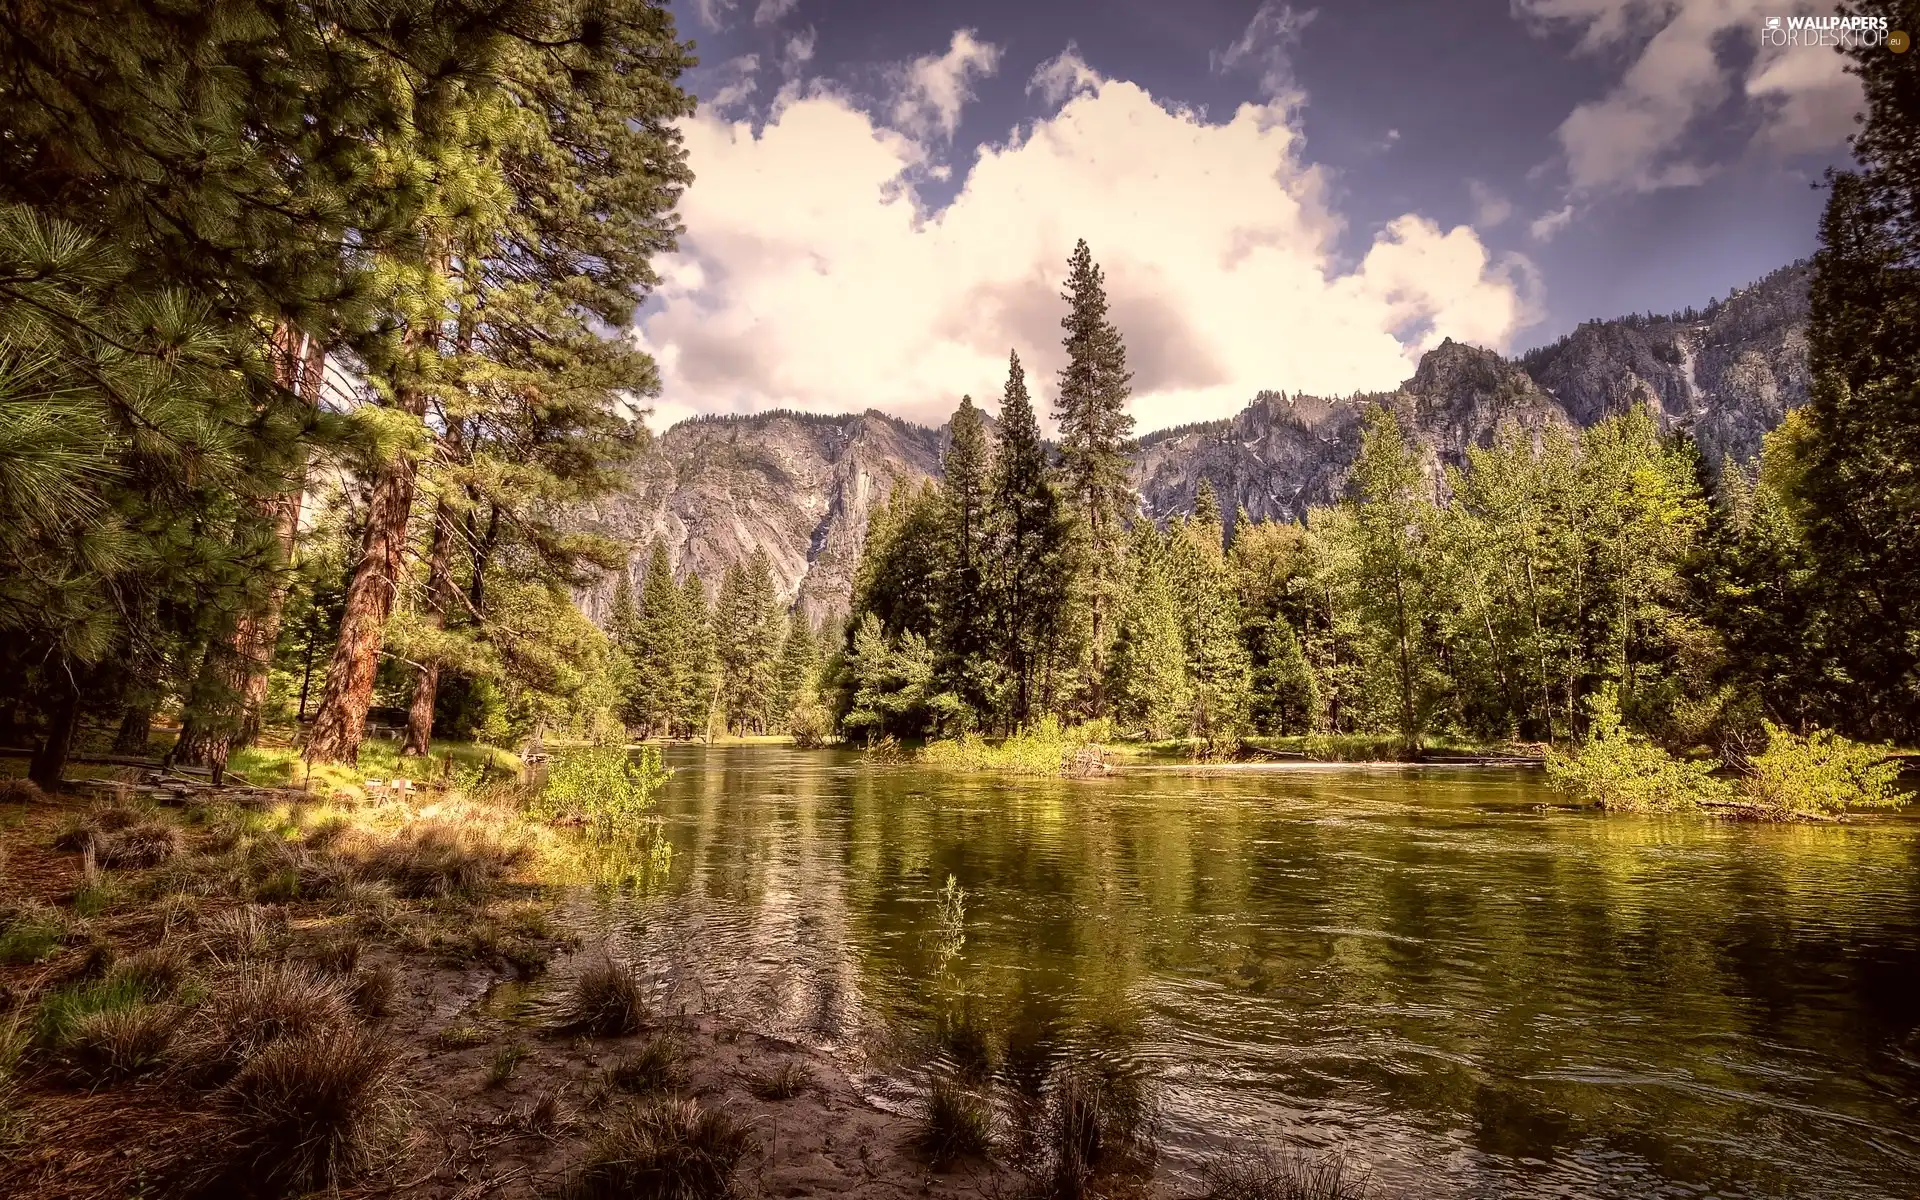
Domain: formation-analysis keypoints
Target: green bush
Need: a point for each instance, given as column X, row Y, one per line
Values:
column 1618, row 769
column 606, row 788
column 1822, row 774
column 1044, row 748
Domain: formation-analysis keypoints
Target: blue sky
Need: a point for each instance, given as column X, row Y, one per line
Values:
column 1294, row 197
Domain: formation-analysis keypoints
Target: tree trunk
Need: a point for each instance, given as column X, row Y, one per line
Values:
column 231, row 692
column 136, row 727
column 439, row 593
column 49, row 761
column 340, row 723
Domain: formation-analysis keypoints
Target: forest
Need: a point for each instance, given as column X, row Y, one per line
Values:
column 304, row 378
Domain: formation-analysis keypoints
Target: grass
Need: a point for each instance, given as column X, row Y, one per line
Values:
column 506, row 1061
column 461, row 1037
column 446, row 859
column 380, row 758
column 664, row 1148
column 118, row 1043
column 654, row 1068
column 30, row 932
column 65, row 1010
column 307, row 1113
column 20, row 791
column 606, row 1001
column 146, row 844
column 784, row 1082
column 258, row 1007
column 1271, row 1175
column 958, row 1123
column 1044, row 748
column 1094, row 1123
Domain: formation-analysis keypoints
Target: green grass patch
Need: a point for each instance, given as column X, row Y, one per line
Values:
column 380, row 758
column 1043, row 748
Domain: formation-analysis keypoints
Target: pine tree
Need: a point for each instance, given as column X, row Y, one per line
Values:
column 1147, row 674
column 698, row 708
column 1393, row 527
column 1862, row 508
column 1028, row 547
column 798, row 671
column 965, row 635
column 657, row 649
column 560, row 179
column 1096, row 434
column 1217, row 662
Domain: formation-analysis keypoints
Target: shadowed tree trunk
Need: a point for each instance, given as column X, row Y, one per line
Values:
column 49, row 761
column 231, row 690
column 439, row 596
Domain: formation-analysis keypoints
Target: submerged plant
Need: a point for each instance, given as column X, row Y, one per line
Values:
column 958, row 1122
column 1283, row 1175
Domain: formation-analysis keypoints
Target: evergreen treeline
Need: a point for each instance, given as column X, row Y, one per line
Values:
column 1493, row 600
column 220, row 221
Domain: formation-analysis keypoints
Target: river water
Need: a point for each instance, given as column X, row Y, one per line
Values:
column 1474, row 993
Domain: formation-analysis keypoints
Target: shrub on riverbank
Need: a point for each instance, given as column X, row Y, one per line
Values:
column 1618, row 769
column 1044, row 748
column 1819, row 775
column 607, row 789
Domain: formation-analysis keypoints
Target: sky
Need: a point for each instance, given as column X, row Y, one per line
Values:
column 1285, row 197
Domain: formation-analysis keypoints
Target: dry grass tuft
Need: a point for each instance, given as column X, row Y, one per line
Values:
column 1283, row 1175
column 308, row 1113
column 147, row 844
column 20, row 791
column 655, row 1067
column 664, row 1148
column 239, row 934
column 257, row 1008
column 158, row 971
column 958, row 1123
column 1095, row 1123
column 506, row 1061
column 442, row 859
column 783, row 1083
column 606, row 1002
column 118, row 1043
column 371, row 992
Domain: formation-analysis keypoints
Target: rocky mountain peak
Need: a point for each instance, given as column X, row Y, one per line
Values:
column 801, row 487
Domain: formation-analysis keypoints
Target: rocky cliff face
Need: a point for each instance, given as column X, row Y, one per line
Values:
column 1725, row 375
column 801, row 487
column 796, row 486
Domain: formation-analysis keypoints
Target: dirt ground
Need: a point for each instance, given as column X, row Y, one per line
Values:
column 469, row 1133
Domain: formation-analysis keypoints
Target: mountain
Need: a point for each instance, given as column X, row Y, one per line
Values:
column 797, row 486
column 801, row 487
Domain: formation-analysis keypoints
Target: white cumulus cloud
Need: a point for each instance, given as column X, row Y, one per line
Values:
column 1643, row 134
column 811, row 275
column 770, row 11
column 931, row 90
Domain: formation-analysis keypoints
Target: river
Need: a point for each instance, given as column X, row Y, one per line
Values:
column 1474, row 992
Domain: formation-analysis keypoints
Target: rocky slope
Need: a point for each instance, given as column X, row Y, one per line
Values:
column 800, row 487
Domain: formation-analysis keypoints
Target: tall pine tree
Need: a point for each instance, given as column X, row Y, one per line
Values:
column 1096, row 436
column 1028, row 548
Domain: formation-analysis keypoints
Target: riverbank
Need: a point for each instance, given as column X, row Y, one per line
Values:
column 244, row 992
column 139, row 942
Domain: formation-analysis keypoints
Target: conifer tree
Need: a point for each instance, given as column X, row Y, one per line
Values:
column 798, row 670
column 659, row 649
column 1393, row 528
column 1862, row 507
column 698, row 708
column 1096, row 435
column 965, row 635
column 1147, row 674
column 1028, row 547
